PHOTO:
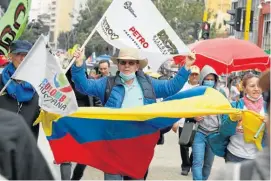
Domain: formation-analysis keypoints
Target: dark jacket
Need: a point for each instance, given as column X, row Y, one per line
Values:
column 29, row 110
column 20, row 157
column 82, row 99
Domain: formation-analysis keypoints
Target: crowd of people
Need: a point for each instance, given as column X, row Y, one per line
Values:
column 215, row 135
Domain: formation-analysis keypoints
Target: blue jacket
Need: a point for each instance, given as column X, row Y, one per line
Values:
column 219, row 141
column 158, row 88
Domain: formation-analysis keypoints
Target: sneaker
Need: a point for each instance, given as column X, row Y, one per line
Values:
column 184, row 172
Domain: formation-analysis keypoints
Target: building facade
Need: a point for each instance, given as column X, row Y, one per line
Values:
column 218, row 10
column 61, row 18
column 39, row 7
column 260, row 33
column 264, row 26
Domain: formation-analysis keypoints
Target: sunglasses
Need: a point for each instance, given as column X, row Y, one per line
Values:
column 131, row 63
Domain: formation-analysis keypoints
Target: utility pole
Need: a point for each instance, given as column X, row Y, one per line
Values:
column 205, row 14
column 247, row 20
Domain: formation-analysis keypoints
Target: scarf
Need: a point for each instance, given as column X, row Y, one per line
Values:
column 22, row 92
column 254, row 106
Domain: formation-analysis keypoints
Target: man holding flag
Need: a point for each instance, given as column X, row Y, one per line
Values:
column 130, row 87
column 19, row 97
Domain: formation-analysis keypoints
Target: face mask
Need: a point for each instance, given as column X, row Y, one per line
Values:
column 127, row 77
column 253, row 99
column 209, row 83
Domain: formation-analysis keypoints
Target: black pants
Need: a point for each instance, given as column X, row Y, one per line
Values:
column 78, row 171
column 184, row 150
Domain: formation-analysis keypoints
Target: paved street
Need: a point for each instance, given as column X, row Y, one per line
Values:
column 165, row 165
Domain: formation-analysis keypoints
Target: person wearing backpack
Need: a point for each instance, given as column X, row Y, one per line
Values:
column 258, row 168
column 130, row 87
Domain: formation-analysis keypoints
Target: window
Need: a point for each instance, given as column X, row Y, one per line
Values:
column 266, row 32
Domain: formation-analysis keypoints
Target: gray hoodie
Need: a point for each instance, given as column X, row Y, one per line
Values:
column 210, row 123
column 206, row 70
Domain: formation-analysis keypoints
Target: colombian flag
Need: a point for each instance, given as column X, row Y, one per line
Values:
column 122, row 141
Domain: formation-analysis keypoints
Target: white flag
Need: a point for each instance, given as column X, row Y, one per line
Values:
column 138, row 24
column 43, row 72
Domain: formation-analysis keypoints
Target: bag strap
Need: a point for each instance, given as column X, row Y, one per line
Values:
column 109, row 86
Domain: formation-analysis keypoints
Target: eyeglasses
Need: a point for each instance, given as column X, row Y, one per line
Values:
column 131, row 63
column 21, row 54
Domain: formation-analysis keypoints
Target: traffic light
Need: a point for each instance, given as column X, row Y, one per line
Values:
column 238, row 18
column 235, row 21
column 205, row 30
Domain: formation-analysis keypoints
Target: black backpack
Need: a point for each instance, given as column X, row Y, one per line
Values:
column 109, row 86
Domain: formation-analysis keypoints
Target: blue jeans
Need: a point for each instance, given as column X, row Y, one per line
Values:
column 203, row 157
column 108, row 176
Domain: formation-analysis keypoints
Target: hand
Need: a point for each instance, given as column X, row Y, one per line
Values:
column 236, row 117
column 198, row 119
column 190, row 60
column 175, row 127
column 79, row 55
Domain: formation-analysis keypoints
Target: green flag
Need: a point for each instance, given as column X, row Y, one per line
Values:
column 13, row 23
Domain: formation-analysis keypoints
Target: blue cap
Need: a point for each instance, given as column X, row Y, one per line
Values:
column 20, row 46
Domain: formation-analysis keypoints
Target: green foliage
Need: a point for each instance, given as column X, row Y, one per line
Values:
column 220, row 26
column 87, row 20
column 33, row 31
column 28, row 35
column 213, row 31
column 184, row 16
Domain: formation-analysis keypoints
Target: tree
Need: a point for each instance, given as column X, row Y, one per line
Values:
column 62, row 41
column 87, row 20
column 33, row 30
column 184, row 16
column 213, row 31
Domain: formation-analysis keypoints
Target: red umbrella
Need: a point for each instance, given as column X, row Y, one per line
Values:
column 227, row 55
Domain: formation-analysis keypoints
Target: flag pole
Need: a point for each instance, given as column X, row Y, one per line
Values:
column 82, row 47
column 88, row 38
column 5, row 87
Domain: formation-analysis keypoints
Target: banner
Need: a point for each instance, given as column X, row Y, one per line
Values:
column 13, row 23
column 120, row 136
column 41, row 69
column 139, row 24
